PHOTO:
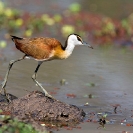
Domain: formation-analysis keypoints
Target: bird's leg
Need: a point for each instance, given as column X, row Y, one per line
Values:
column 34, row 79
column 6, row 95
column 6, row 76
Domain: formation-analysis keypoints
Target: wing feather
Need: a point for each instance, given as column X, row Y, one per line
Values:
column 38, row 48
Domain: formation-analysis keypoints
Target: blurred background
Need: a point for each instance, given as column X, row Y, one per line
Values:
column 101, row 22
column 101, row 78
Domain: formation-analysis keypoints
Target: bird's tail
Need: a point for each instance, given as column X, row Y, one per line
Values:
column 15, row 37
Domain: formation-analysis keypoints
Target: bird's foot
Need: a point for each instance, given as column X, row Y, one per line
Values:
column 7, row 98
column 48, row 95
column 3, row 89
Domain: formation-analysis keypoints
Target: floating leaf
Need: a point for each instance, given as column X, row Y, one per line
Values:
column 67, row 29
column 45, row 17
column 90, row 84
column 57, row 18
column 89, row 96
column 19, row 22
column 1, row 7
column 71, row 95
column 56, row 88
column 85, row 95
column 75, row 7
column 86, row 104
column 50, row 21
column 53, row 92
column 8, row 12
column 3, row 44
column 28, row 32
column 63, row 82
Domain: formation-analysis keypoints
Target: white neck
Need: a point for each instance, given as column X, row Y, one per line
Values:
column 71, row 42
column 70, row 47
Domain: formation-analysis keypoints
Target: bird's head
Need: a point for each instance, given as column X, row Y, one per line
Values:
column 75, row 39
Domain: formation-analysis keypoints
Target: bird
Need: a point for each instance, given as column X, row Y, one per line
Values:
column 42, row 49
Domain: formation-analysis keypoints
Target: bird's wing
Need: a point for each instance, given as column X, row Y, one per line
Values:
column 38, row 48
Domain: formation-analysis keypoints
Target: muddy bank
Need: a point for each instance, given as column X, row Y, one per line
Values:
column 36, row 107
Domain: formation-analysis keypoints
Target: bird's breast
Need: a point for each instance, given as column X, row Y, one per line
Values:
column 59, row 53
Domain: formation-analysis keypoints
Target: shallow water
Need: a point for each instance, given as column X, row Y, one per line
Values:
column 108, row 70
column 106, row 74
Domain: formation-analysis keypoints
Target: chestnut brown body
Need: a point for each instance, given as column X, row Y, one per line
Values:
column 43, row 49
column 40, row 48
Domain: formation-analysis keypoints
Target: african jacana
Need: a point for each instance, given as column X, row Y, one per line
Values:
column 43, row 49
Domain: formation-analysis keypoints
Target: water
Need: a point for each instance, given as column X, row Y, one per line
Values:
column 110, row 70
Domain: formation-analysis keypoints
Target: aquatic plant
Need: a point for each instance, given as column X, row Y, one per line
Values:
column 97, row 28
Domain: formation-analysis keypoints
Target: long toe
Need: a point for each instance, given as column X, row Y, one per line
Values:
column 8, row 98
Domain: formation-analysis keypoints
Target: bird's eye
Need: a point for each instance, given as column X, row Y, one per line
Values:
column 79, row 39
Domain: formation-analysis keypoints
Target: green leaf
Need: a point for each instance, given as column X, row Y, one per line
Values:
column 75, row 7
column 3, row 44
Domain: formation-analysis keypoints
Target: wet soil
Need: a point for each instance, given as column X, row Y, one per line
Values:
column 36, row 107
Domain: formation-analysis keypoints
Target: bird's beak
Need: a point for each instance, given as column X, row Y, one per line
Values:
column 86, row 44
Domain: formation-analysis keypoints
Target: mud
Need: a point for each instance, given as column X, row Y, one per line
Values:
column 36, row 107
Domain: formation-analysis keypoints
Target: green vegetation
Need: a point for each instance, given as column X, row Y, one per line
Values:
column 96, row 28
column 9, row 125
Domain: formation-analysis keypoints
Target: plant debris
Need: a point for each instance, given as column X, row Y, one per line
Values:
column 102, row 120
column 115, row 107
